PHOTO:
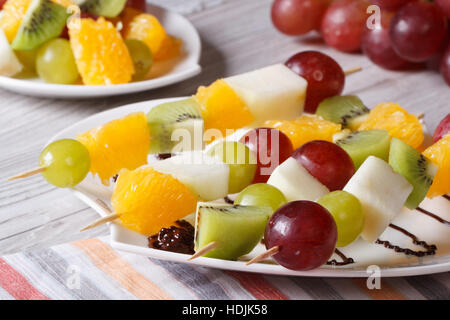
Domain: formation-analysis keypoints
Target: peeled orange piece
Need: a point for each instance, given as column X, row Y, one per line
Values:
column 221, row 108
column 147, row 28
column 305, row 128
column 12, row 16
column 170, row 48
column 119, row 144
column 148, row 200
column 439, row 154
column 100, row 53
column 397, row 121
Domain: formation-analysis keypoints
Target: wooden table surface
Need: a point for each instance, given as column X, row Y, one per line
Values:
column 237, row 36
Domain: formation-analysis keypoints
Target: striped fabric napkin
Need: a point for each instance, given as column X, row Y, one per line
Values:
column 91, row 269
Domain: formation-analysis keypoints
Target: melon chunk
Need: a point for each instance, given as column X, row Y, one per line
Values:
column 382, row 193
column 271, row 93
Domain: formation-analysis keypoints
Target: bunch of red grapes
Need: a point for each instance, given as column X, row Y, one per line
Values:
column 401, row 34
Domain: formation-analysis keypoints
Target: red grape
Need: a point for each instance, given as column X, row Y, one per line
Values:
column 137, row 4
column 445, row 6
column 324, row 75
column 390, row 4
column 305, row 233
column 2, row 2
column 445, row 66
column 271, row 147
column 376, row 44
column 343, row 24
column 297, row 17
column 418, row 31
column 327, row 162
column 442, row 129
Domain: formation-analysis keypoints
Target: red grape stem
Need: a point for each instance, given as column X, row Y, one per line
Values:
column 352, row 71
column 109, row 218
column 27, row 173
column 272, row 251
column 209, row 247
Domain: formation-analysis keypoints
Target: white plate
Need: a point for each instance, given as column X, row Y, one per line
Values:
column 365, row 254
column 163, row 73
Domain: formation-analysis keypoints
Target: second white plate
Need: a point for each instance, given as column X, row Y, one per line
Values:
column 163, row 73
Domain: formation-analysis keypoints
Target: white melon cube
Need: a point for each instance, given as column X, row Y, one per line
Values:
column 271, row 93
column 296, row 183
column 382, row 193
column 205, row 176
column 9, row 64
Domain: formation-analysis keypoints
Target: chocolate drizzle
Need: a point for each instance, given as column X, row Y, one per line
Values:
column 432, row 215
column 345, row 261
column 228, row 200
column 179, row 238
column 430, row 249
column 164, row 156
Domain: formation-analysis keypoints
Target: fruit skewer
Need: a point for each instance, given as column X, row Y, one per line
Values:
column 198, row 112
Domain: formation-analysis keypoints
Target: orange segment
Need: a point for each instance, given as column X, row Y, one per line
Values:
column 148, row 29
column 127, row 15
column 397, row 121
column 439, row 153
column 148, row 200
column 221, row 107
column 305, row 128
column 12, row 16
column 101, row 55
column 170, row 48
column 119, row 144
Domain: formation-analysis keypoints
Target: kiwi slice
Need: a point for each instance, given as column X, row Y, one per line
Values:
column 236, row 229
column 349, row 111
column 164, row 121
column 414, row 167
column 104, row 8
column 362, row 144
column 43, row 21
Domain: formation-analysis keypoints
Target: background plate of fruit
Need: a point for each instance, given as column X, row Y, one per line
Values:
column 92, row 48
column 239, row 177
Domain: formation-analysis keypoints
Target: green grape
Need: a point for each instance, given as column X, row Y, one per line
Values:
column 241, row 161
column 55, row 62
column 66, row 163
column 142, row 58
column 28, row 59
column 348, row 214
column 261, row 195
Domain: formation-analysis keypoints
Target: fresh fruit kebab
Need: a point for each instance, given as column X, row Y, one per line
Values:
column 73, row 42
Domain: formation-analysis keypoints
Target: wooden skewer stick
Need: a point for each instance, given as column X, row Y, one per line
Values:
column 103, row 220
column 28, row 173
column 209, row 247
column 272, row 251
column 352, row 71
column 420, row 116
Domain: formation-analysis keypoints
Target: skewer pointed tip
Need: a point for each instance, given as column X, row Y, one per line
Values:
column 28, row 173
column 101, row 221
column 272, row 251
column 352, row 71
column 209, row 247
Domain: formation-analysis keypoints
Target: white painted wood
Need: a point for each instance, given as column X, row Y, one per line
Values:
column 237, row 36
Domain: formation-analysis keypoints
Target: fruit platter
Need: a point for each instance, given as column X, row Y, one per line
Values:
column 243, row 176
column 93, row 48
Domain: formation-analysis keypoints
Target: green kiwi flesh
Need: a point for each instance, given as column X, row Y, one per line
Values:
column 236, row 229
column 104, row 8
column 164, row 120
column 414, row 167
column 362, row 144
column 349, row 111
column 43, row 21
